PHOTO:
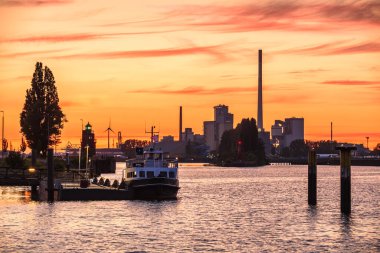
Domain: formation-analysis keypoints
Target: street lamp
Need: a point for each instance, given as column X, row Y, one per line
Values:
column 80, row 151
column 2, row 136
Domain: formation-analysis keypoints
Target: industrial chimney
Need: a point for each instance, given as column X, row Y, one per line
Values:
column 180, row 123
column 260, row 96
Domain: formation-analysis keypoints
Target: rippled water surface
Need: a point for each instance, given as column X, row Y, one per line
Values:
column 218, row 210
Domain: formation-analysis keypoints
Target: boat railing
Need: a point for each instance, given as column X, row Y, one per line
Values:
column 173, row 165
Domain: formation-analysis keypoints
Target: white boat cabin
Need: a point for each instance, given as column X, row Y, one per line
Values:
column 149, row 165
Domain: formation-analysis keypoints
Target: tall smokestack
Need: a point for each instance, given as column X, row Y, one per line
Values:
column 180, row 123
column 260, row 96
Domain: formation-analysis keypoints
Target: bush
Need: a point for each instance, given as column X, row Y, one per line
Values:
column 59, row 164
column 15, row 160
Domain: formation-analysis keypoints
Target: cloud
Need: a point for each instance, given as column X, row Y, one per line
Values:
column 17, row 78
column 32, row 2
column 278, row 15
column 197, row 90
column 56, row 38
column 366, row 47
column 288, row 99
column 215, row 51
column 351, row 82
column 335, row 48
column 124, row 23
column 67, row 103
column 21, row 54
column 367, row 11
column 307, row 71
column 237, row 77
column 73, row 37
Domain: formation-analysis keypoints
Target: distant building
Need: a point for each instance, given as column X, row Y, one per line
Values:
column 213, row 130
column 168, row 138
column 284, row 132
column 88, row 139
column 174, row 148
column 188, row 135
column 293, row 130
column 209, row 134
column 265, row 138
column 199, row 138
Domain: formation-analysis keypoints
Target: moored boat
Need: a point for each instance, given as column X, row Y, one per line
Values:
column 151, row 176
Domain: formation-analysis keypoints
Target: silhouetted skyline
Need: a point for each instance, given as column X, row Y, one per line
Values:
column 137, row 62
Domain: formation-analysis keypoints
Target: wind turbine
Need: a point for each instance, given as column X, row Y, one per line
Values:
column 108, row 130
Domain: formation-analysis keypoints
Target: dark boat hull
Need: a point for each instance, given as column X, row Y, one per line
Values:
column 155, row 192
column 154, row 189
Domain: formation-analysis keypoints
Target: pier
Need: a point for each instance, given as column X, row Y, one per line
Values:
column 17, row 177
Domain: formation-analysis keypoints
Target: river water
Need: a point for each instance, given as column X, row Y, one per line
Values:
column 218, row 210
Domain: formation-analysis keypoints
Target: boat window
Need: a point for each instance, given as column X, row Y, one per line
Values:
column 149, row 174
column 171, row 174
column 158, row 156
column 163, row 174
column 142, row 173
column 129, row 174
column 134, row 174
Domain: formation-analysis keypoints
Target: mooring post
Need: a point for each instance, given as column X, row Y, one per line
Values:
column 345, row 178
column 50, row 179
column 312, row 178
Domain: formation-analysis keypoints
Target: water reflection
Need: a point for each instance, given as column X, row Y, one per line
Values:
column 218, row 209
column 346, row 221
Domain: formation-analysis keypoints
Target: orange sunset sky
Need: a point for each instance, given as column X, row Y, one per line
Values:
column 136, row 62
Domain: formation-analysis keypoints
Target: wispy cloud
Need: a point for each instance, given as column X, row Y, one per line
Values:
column 68, row 103
column 278, row 15
column 32, row 2
column 17, row 78
column 214, row 51
column 351, row 82
column 237, row 77
column 29, row 53
column 366, row 47
column 56, row 38
column 335, row 48
column 197, row 90
column 288, row 99
column 367, row 11
column 307, row 71
column 73, row 37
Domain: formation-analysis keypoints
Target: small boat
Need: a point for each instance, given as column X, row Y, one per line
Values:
column 151, row 176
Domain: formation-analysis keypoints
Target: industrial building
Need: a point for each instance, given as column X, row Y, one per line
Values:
column 213, row 130
column 263, row 135
column 284, row 132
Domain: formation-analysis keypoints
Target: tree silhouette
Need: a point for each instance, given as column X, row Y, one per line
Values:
column 22, row 145
column 42, row 119
column 376, row 150
column 298, row 148
column 130, row 145
column 242, row 143
column 4, row 145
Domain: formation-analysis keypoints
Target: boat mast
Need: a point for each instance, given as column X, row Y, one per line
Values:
column 152, row 132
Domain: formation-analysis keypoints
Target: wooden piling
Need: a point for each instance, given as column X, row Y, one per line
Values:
column 345, row 178
column 312, row 178
column 50, row 179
